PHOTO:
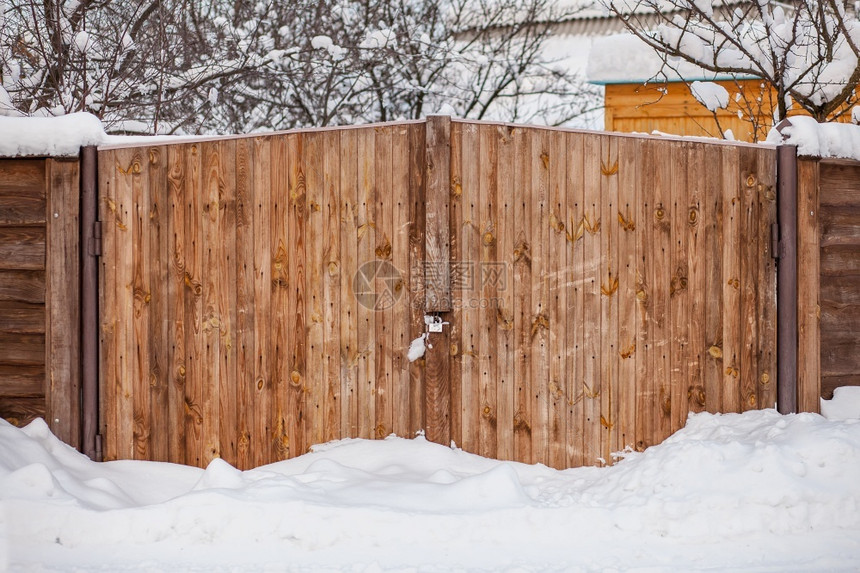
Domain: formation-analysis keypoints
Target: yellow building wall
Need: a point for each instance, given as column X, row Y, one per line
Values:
column 671, row 108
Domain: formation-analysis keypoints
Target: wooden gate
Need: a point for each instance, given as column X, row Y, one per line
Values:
column 259, row 294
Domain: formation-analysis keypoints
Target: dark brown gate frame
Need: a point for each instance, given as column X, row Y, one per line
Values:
column 90, row 241
column 786, row 279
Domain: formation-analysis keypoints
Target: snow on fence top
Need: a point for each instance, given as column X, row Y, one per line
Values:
column 836, row 140
column 61, row 136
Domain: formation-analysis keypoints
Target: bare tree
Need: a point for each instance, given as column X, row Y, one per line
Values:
column 807, row 51
column 195, row 66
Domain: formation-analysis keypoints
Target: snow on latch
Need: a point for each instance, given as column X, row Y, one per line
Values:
column 837, row 140
column 49, row 136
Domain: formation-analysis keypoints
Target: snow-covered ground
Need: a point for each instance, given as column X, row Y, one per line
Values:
column 753, row 492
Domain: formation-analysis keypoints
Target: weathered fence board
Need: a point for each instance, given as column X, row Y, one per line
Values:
column 39, row 294
column 260, row 293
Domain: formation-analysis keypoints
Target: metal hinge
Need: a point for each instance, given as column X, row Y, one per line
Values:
column 774, row 240
column 96, row 240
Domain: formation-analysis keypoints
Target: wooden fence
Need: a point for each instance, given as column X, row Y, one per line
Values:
column 39, row 308
column 259, row 294
column 828, row 278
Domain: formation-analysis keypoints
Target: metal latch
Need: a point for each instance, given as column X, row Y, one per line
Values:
column 434, row 323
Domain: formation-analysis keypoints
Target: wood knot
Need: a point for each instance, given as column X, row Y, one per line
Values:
column 751, row 180
column 260, row 384
column 734, row 283
column 696, row 394
column 295, row 378
column 660, row 213
column 765, row 378
column 693, row 217
column 626, row 222
column 456, row 188
column 732, row 371
column 541, row 321
column 504, row 319
column 383, row 250
column 489, row 239
column 715, row 351
column 521, row 424
column 544, row 157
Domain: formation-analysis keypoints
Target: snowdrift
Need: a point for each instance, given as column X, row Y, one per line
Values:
column 754, row 491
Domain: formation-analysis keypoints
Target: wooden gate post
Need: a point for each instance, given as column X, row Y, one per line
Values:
column 437, row 277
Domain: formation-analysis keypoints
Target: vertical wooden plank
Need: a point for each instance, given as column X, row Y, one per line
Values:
column 246, row 380
column 438, row 282
column 332, row 275
column 698, row 263
column 228, row 432
column 647, row 404
column 417, row 141
column 539, row 327
column 349, row 327
column 808, row 284
column 193, row 281
column 609, row 297
column 460, row 360
column 749, row 277
column 464, row 288
column 766, row 298
column 558, row 288
column 523, row 294
column 486, row 290
column 291, row 293
column 367, row 296
column 286, row 209
column 127, row 163
column 628, row 318
column 437, row 247
column 62, row 299
column 401, row 333
column 141, row 291
column 664, row 187
column 108, row 372
column 264, row 402
column 505, row 342
column 315, row 269
column 176, row 292
column 143, row 309
column 212, row 320
column 732, row 330
column 383, row 215
column 159, row 374
column 575, row 317
column 679, row 291
column 593, row 329
column 713, row 213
